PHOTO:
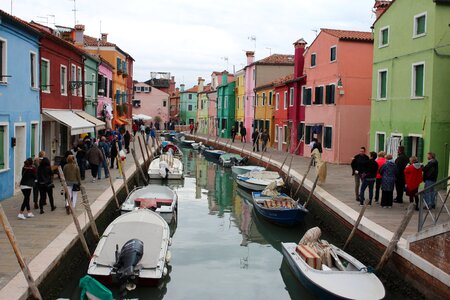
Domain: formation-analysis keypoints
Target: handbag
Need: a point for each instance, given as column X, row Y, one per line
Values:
column 76, row 187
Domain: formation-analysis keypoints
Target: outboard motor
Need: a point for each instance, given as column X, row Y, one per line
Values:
column 244, row 161
column 126, row 261
column 233, row 161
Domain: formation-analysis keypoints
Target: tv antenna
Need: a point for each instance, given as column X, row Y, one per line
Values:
column 270, row 50
column 74, row 12
column 225, row 58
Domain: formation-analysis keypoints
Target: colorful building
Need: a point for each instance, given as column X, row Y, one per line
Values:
column 202, row 109
column 226, row 101
column 105, row 92
column 151, row 101
column 283, row 100
column 174, row 106
column 188, row 105
column 240, row 95
column 91, row 64
column 410, row 87
column 19, row 95
column 264, row 106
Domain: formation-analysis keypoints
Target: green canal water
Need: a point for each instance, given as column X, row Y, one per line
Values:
column 221, row 249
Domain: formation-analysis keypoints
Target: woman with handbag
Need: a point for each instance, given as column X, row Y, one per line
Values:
column 26, row 185
column 45, row 183
column 73, row 179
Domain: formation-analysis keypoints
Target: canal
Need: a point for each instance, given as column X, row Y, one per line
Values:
column 221, row 249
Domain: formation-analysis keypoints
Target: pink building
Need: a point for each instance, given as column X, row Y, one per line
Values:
column 337, row 94
column 249, row 94
column 151, row 101
column 104, row 107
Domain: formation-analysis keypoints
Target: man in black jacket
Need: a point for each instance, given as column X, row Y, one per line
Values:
column 430, row 175
column 255, row 138
column 358, row 163
column 368, row 176
column 401, row 162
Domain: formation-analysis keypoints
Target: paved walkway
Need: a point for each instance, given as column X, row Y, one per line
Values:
column 35, row 234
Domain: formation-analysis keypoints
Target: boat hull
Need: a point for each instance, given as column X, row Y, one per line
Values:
column 212, row 155
column 240, row 170
column 251, row 186
column 288, row 217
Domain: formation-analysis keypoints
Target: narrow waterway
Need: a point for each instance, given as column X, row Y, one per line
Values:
column 221, row 249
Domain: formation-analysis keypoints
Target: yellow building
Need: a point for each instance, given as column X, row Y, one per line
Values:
column 240, row 92
column 264, row 117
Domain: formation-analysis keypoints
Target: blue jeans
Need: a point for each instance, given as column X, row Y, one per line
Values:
column 430, row 196
column 103, row 165
column 367, row 182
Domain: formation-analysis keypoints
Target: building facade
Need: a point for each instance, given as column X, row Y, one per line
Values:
column 91, row 65
column 105, row 93
column 264, row 106
column 202, row 110
column 226, row 100
column 174, row 106
column 151, row 101
column 188, row 105
column 240, row 96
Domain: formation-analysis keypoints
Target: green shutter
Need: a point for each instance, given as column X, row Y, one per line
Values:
column 408, row 145
column 44, row 72
column 383, row 84
column 419, row 80
column 385, row 36
column 2, row 147
column 380, row 145
column 420, row 25
column 420, row 149
column 332, row 93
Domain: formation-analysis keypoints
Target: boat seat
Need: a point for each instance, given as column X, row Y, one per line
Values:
column 151, row 203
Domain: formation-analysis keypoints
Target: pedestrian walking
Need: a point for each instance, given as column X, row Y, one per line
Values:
column 26, row 185
column 265, row 137
column 357, row 164
column 153, row 136
column 147, row 133
column 135, row 128
column 388, row 173
column 430, row 175
column 81, row 150
column 413, row 178
column 316, row 145
column 36, row 162
column 381, row 160
column 127, row 139
column 401, row 162
column 73, row 179
column 95, row 157
column 104, row 147
column 368, row 177
column 191, row 127
column 114, row 153
column 45, row 182
column 243, row 134
column 255, row 139
column 233, row 133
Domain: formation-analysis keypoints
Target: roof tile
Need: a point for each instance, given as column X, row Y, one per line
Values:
column 349, row 35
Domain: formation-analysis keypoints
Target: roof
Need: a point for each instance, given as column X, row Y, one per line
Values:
column 206, row 89
column 90, row 41
column 350, row 35
column 25, row 25
column 193, row 89
column 276, row 59
column 277, row 82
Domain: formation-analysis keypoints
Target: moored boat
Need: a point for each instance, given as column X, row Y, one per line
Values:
column 231, row 159
column 186, row 143
column 239, row 170
column 196, row 146
column 132, row 251
column 330, row 272
column 212, row 153
column 166, row 166
column 280, row 209
column 259, row 180
column 166, row 146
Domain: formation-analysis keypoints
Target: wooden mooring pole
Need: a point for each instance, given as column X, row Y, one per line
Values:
column 111, row 182
column 87, row 207
column 72, row 213
column 352, row 233
column 268, row 162
column 311, row 192
column 133, row 152
column 20, row 259
column 143, row 153
column 304, row 176
column 397, row 235
column 121, row 170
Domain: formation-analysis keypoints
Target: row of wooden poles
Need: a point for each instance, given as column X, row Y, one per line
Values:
column 34, row 291
column 395, row 238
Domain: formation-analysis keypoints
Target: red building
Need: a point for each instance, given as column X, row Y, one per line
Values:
column 281, row 120
column 130, row 88
column 174, row 106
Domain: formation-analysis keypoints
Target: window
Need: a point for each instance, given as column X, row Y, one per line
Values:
column 307, row 96
column 3, row 64
column 219, row 102
column 330, row 92
column 190, row 107
column 414, row 145
column 382, row 84
column 110, row 89
column 190, row 96
column 33, row 70
column 34, row 140
column 285, row 100
column 276, row 133
column 147, row 89
column 333, row 54
column 300, row 131
column 63, row 80
column 277, row 101
column 45, row 75
column 285, row 134
column 420, row 25
column 418, row 80
column 380, row 138
column 237, row 103
column 263, row 99
column 80, row 86
column 92, row 86
column 73, row 78
column 4, row 146
column 119, row 65
column 225, row 102
column 313, row 59
column 270, row 99
column 319, row 95
column 291, row 96
column 328, row 137
column 164, row 103
column 384, row 37
column 307, row 134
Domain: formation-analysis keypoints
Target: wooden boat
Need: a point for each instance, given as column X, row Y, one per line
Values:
column 176, row 151
column 239, row 170
column 132, row 251
column 159, row 198
column 196, row 146
column 213, row 154
column 177, row 137
column 230, row 159
column 259, row 180
column 186, row 143
column 341, row 277
column 281, row 210
column 165, row 166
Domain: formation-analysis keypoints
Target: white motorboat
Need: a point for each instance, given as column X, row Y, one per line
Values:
column 239, row 170
column 166, row 166
column 158, row 198
column 132, row 251
column 231, row 159
column 196, row 146
column 334, row 274
column 259, row 180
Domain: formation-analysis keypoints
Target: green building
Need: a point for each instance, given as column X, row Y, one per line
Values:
column 188, row 105
column 226, row 107
column 91, row 85
column 411, row 71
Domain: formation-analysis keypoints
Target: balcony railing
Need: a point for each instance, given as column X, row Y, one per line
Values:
column 433, row 203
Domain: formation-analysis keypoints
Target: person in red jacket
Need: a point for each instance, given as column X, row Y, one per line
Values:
column 413, row 178
column 381, row 160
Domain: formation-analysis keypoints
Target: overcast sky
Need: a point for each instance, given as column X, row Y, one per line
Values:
column 194, row 38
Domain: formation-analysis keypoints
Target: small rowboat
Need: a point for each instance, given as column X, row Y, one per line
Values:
column 239, row 170
column 213, row 154
column 259, row 180
column 166, row 166
column 230, row 159
column 186, row 143
column 281, row 210
column 341, row 277
column 166, row 146
column 143, row 238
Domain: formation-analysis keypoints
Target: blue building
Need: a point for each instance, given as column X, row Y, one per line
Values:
column 19, row 98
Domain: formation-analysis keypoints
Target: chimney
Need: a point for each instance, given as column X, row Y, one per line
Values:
column 79, row 34
column 172, row 84
column 299, row 59
column 104, row 37
column 224, row 77
column 182, row 87
column 380, row 6
column 250, row 57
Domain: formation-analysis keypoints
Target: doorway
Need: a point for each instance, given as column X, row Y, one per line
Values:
column 280, row 138
column 20, row 151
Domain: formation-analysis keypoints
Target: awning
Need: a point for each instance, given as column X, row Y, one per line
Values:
column 99, row 124
column 120, row 121
column 76, row 124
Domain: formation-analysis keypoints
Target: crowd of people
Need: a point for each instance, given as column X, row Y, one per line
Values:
column 380, row 172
